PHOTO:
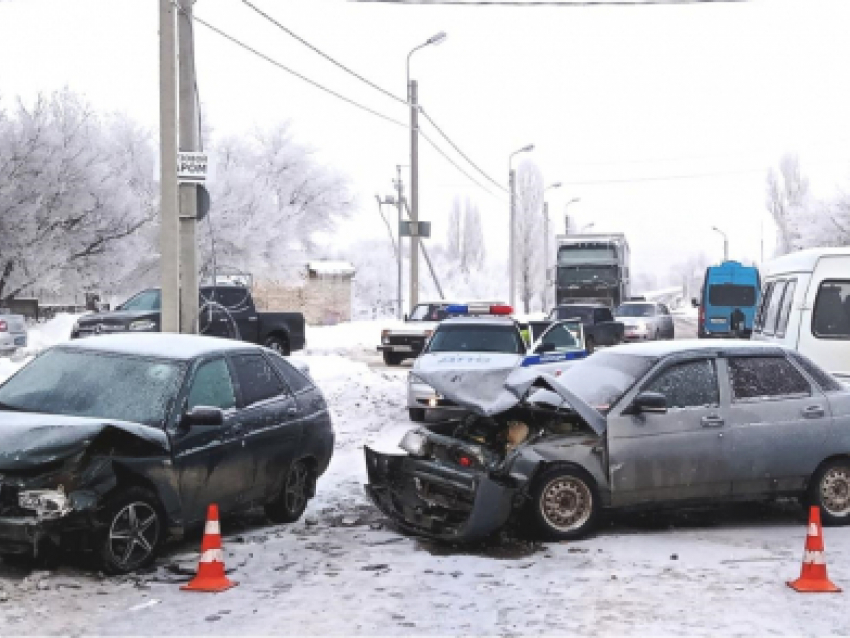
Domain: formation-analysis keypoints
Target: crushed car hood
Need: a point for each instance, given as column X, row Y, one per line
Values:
column 28, row 440
column 492, row 387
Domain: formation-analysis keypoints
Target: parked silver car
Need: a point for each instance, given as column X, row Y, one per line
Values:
column 645, row 321
column 654, row 424
column 13, row 333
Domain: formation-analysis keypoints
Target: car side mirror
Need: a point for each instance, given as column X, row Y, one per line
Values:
column 543, row 348
column 203, row 416
column 695, row 302
column 653, row 402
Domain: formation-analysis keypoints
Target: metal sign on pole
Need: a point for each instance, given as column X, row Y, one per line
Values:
column 192, row 167
column 414, row 229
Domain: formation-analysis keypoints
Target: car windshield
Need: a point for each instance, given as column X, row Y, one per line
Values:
column 147, row 300
column 94, row 384
column 428, row 312
column 600, row 380
column 476, row 338
column 635, row 310
column 587, row 275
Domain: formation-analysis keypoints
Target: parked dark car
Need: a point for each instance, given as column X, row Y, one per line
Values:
column 656, row 424
column 225, row 311
column 115, row 444
column 600, row 328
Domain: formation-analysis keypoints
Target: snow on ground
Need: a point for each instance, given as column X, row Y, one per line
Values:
column 343, row 570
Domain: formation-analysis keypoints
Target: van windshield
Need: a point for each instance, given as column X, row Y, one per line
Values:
column 731, row 295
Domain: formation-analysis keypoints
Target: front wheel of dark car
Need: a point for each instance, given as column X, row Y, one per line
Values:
column 564, row 503
column 589, row 345
column 830, row 490
column 292, row 501
column 392, row 359
column 135, row 530
column 417, row 415
column 278, row 344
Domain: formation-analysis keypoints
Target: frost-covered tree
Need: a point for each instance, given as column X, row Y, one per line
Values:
column 529, row 230
column 74, row 186
column 473, row 251
column 788, row 201
column 454, row 236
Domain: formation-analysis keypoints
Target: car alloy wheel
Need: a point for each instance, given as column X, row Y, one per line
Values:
column 295, row 492
column 133, row 535
column 835, row 491
column 566, row 503
column 278, row 345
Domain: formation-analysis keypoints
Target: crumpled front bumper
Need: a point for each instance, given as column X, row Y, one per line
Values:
column 431, row 499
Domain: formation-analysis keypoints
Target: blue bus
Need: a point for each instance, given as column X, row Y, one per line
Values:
column 728, row 302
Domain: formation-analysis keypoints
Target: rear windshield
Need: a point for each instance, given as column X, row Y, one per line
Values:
column 476, row 338
column 636, row 310
column 602, row 379
column 731, row 295
column 584, row 313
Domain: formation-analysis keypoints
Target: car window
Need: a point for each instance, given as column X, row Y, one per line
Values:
column 212, row 386
column 293, row 378
column 765, row 300
column 785, row 309
column 560, row 337
column 824, row 379
column 765, row 377
column 769, row 325
column 687, row 385
column 574, row 312
column 729, row 294
column 636, row 310
column 601, row 315
column 144, row 301
column 257, row 379
column 476, row 338
column 233, row 298
column 831, row 318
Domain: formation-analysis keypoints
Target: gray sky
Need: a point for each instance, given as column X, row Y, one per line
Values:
column 607, row 95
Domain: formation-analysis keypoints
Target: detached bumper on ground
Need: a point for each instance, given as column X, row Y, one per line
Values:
column 427, row 498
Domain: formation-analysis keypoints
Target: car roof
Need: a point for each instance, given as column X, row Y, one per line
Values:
column 479, row 319
column 161, row 345
column 802, row 260
column 722, row 347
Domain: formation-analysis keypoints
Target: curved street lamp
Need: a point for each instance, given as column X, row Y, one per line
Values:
column 725, row 242
column 512, row 233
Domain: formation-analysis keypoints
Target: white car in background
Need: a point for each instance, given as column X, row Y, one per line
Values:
column 645, row 321
column 490, row 344
column 13, row 333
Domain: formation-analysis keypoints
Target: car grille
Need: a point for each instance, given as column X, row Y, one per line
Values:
column 99, row 328
column 404, row 340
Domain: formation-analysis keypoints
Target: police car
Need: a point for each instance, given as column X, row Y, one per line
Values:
column 487, row 340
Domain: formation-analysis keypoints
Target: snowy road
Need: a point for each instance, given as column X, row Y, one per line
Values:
column 341, row 570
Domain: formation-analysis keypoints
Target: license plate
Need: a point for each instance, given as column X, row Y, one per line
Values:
column 718, row 320
column 20, row 341
column 402, row 349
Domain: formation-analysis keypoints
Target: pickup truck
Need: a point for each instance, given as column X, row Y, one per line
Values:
column 225, row 311
column 600, row 329
column 13, row 332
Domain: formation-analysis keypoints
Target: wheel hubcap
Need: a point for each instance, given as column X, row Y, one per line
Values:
column 296, row 488
column 133, row 534
column 566, row 503
column 835, row 491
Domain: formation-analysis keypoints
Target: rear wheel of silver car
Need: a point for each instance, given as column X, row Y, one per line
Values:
column 589, row 345
column 830, row 490
column 278, row 344
column 417, row 415
column 134, row 531
column 292, row 501
column 565, row 504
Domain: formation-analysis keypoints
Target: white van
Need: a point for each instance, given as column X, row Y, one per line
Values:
column 805, row 305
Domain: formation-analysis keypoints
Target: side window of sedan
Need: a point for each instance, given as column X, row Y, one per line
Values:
column 560, row 337
column 212, row 386
column 294, row 378
column 687, row 385
column 766, row 377
column 257, row 381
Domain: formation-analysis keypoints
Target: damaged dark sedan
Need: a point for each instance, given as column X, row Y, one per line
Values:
column 677, row 424
column 116, row 443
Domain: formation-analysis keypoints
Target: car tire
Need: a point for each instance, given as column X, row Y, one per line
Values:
column 589, row 345
column 417, row 415
column 830, row 491
column 564, row 504
column 392, row 359
column 278, row 344
column 135, row 530
column 290, row 504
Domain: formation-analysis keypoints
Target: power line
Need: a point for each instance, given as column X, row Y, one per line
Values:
column 321, row 53
column 460, row 152
column 548, row 3
column 453, row 163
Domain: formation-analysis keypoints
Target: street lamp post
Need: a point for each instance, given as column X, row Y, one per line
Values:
column 567, row 217
column 412, row 99
column 725, row 242
column 512, row 234
column 546, row 243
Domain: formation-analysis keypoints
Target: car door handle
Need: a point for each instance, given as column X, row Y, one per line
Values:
column 711, row 422
column 252, row 318
column 814, row 412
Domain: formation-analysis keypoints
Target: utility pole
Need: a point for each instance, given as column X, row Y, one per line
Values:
column 168, row 207
column 414, row 196
column 545, row 254
column 511, row 239
column 189, row 297
column 399, row 260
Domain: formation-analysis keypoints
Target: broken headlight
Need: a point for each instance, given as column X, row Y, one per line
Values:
column 45, row 503
column 414, row 443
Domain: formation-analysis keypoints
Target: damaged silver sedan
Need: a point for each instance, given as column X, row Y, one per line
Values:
column 676, row 424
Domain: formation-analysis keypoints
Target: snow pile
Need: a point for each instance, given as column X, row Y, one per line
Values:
column 51, row 332
column 345, row 338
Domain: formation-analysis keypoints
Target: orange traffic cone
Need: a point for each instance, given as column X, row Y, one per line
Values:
column 813, row 576
column 210, row 575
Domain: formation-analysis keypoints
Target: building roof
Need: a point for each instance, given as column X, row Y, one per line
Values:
column 802, row 260
column 324, row 267
column 160, row 345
